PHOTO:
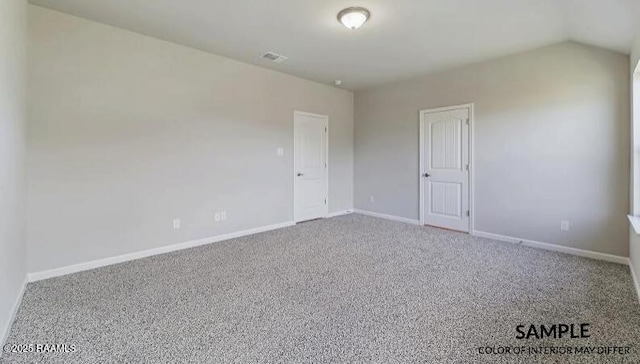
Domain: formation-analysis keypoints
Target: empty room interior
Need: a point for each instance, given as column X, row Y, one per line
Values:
column 436, row 181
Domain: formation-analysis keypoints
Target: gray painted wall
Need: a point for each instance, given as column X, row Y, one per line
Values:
column 127, row 132
column 551, row 143
column 13, row 26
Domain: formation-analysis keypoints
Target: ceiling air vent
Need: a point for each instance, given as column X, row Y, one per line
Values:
column 274, row 57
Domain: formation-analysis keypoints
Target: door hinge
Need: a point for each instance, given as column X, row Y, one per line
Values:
column 468, row 213
column 467, row 167
column 467, row 121
column 325, row 201
column 325, row 129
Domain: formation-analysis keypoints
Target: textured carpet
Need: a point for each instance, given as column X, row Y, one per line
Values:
column 350, row 289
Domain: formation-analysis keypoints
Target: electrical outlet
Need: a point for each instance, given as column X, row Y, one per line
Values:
column 176, row 223
column 372, row 199
column 217, row 217
column 565, row 225
column 223, row 216
column 280, row 152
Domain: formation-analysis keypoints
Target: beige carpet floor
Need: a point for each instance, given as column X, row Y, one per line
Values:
column 351, row 289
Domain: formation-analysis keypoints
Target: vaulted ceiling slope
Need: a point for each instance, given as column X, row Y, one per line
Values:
column 403, row 38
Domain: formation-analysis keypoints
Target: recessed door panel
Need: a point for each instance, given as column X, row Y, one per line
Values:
column 445, row 144
column 446, row 199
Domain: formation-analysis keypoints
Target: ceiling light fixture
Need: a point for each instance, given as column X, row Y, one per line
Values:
column 353, row 18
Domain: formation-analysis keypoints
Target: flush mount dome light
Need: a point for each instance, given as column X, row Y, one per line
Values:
column 353, row 18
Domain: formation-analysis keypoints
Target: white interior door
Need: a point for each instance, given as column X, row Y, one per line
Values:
column 310, row 166
column 445, row 168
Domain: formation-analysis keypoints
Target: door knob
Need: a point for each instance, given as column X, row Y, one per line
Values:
column 300, row 174
column 426, row 175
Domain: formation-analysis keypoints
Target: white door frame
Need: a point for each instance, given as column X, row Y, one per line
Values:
column 293, row 171
column 469, row 106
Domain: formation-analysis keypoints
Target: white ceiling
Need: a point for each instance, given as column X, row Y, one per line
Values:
column 403, row 38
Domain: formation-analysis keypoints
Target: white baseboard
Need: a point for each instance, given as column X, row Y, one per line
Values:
column 340, row 213
column 14, row 312
column 46, row 274
column 554, row 247
column 636, row 282
column 387, row 217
